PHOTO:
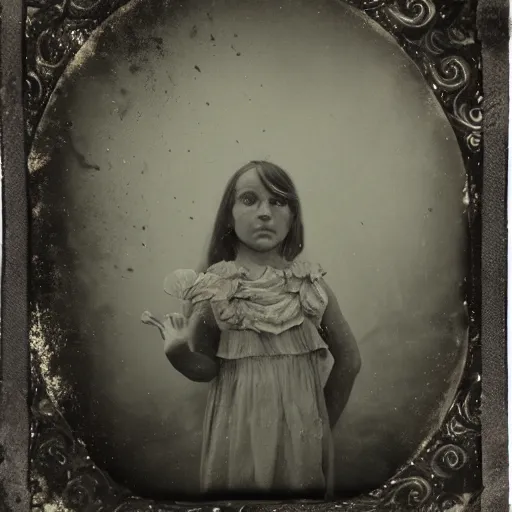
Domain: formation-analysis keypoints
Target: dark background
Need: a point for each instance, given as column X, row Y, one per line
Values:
column 127, row 171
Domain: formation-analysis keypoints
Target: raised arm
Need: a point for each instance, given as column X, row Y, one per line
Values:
column 191, row 345
column 347, row 360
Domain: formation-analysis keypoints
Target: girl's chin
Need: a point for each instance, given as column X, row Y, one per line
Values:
column 263, row 246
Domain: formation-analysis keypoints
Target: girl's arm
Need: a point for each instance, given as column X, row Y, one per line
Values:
column 191, row 344
column 347, row 360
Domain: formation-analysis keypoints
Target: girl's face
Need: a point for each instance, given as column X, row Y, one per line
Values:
column 262, row 220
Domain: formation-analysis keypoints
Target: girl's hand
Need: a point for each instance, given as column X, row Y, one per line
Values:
column 175, row 330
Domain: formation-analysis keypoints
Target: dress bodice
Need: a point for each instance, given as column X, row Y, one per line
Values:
column 278, row 300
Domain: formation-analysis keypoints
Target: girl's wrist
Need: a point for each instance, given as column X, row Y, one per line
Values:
column 175, row 345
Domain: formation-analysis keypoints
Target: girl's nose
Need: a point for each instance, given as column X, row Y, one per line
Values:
column 264, row 212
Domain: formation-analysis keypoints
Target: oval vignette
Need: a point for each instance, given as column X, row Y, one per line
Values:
column 147, row 124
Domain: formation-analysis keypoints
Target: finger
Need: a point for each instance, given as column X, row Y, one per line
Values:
column 167, row 322
column 175, row 320
column 180, row 322
column 149, row 319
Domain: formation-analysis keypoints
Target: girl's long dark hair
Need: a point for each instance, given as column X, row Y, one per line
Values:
column 224, row 242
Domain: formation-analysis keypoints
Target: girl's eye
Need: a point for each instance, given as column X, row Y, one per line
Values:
column 248, row 199
column 278, row 201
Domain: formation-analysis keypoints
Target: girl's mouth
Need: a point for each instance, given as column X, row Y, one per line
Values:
column 265, row 231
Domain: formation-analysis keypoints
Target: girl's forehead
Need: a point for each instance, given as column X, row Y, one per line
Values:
column 250, row 180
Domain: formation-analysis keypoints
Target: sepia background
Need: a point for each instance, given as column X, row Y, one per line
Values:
column 145, row 128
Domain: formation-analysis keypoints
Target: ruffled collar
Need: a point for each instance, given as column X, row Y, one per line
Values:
column 296, row 269
column 275, row 301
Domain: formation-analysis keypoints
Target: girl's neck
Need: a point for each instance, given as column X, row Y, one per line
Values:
column 246, row 257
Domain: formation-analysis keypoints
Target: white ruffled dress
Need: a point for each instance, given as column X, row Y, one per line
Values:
column 266, row 426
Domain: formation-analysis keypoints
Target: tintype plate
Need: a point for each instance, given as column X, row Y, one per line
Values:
column 121, row 125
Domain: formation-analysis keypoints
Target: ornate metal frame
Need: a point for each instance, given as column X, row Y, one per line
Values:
column 440, row 37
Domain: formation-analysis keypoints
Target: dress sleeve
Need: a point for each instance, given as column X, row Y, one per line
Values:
column 176, row 283
column 195, row 290
column 198, row 291
column 187, row 285
column 312, row 293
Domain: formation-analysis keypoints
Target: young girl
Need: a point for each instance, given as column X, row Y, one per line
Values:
column 252, row 329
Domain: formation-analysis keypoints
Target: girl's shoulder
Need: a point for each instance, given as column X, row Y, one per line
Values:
column 178, row 282
column 306, row 279
column 302, row 269
column 187, row 284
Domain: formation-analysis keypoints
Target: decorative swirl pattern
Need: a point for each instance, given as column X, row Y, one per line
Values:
column 80, row 493
column 451, row 74
column 439, row 38
column 411, row 491
column 470, row 408
column 87, row 489
column 465, row 419
column 454, row 428
column 85, row 8
column 447, row 459
column 415, row 14
column 34, row 86
column 433, row 42
column 56, row 449
column 471, row 117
